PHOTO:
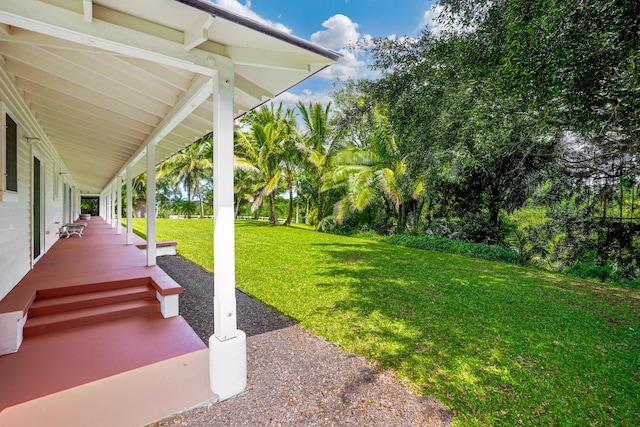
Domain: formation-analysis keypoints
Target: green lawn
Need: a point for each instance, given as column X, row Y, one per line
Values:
column 497, row 343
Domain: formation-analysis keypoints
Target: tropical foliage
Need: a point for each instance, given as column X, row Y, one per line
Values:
column 517, row 126
column 187, row 169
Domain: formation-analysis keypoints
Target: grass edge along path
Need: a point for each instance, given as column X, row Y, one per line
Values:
column 497, row 343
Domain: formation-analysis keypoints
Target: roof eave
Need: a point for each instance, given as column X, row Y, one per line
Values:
column 214, row 10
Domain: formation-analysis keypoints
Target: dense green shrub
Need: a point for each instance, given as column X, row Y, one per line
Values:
column 476, row 228
column 443, row 227
column 312, row 217
column 588, row 270
column 475, row 250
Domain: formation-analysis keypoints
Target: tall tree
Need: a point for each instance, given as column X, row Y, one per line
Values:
column 444, row 95
column 267, row 149
column 319, row 145
column 370, row 171
column 246, row 185
column 188, row 168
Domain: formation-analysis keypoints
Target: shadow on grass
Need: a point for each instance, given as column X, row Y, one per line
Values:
column 498, row 343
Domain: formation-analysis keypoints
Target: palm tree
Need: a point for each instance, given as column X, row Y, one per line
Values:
column 258, row 151
column 138, row 193
column 290, row 158
column 187, row 168
column 319, row 146
column 184, row 207
column 245, row 186
column 370, row 172
column 266, row 150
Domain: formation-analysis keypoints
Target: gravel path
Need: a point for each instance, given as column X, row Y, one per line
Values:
column 294, row 377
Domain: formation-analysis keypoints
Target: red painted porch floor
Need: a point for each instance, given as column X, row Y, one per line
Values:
column 128, row 372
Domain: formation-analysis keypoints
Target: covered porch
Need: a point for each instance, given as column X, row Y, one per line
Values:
column 92, row 94
column 99, row 351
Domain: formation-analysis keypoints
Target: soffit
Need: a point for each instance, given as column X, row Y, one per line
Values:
column 101, row 77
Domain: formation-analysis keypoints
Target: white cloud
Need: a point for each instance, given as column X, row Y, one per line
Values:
column 340, row 32
column 453, row 24
column 347, row 67
column 245, row 10
column 430, row 19
column 289, row 99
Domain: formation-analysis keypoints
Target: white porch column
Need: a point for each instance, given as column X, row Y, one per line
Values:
column 151, row 204
column 107, row 205
column 227, row 346
column 76, row 203
column 119, row 200
column 129, row 207
column 112, row 189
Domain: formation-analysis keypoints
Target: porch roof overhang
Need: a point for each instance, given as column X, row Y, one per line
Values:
column 102, row 79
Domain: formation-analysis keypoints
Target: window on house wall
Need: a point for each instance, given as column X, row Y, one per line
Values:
column 11, row 162
column 9, row 158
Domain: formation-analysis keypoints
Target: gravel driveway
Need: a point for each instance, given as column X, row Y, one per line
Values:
column 294, row 378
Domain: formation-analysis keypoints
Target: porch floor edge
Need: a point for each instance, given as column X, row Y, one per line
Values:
column 133, row 398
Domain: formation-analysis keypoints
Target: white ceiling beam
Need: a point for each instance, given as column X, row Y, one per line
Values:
column 85, row 137
column 104, row 150
column 22, row 36
column 200, row 90
column 196, row 125
column 53, row 100
column 87, row 8
column 5, row 30
column 81, row 153
column 268, row 59
column 92, row 129
column 61, row 23
column 190, row 130
column 30, row 80
column 79, row 159
column 156, row 71
column 71, row 66
column 252, row 89
column 197, row 33
column 119, row 73
column 28, row 120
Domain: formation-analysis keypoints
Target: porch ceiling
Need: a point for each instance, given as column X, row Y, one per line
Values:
column 103, row 78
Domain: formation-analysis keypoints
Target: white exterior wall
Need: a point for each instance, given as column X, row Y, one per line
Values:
column 15, row 222
column 15, row 216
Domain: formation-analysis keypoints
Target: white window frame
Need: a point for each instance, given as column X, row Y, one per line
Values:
column 56, row 181
column 7, row 196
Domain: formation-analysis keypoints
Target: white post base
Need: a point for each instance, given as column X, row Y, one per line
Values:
column 169, row 305
column 11, row 325
column 228, row 365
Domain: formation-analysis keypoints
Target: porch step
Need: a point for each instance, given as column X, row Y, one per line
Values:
column 44, row 306
column 70, row 307
column 54, row 322
column 91, row 287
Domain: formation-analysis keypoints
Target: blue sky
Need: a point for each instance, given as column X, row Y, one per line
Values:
column 334, row 24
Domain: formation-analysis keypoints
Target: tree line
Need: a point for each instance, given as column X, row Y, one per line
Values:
column 517, row 125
